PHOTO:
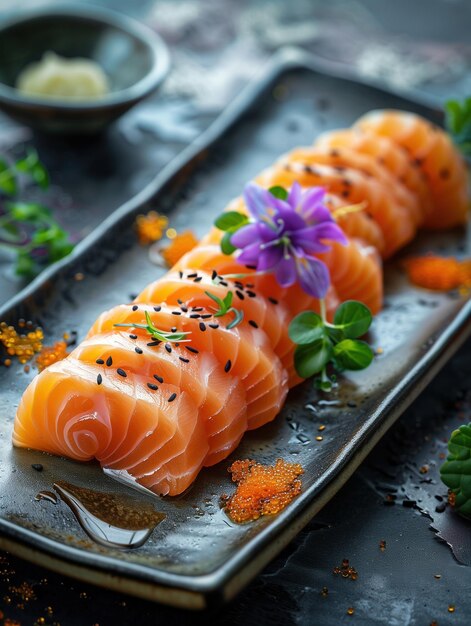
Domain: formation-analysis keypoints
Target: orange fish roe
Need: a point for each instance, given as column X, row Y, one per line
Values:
column 439, row 273
column 150, row 227
column 51, row 354
column 179, row 245
column 262, row 489
column 23, row 346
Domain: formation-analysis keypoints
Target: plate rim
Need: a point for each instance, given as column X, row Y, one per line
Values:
column 224, row 582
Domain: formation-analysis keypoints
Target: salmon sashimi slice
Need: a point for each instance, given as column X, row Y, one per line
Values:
column 348, row 159
column 393, row 219
column 435, row 154
column 247, row 349
column 388, row 154
column 62, row 413
column 219, row 395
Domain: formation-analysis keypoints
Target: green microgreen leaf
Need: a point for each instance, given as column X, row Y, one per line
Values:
column 231, row 221
column 279, row 192
column 32, row 166
column 353, row 319
column 458, row 123
column 157, row 333
column 456, row 471
column 310, row 359
column 352, row 354
column 228, row 299
column 306, row 328
column 238, row 317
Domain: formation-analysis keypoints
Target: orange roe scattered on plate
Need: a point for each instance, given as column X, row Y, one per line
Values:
column 150, row 227
column 51, row 354
column 439, row 273
column 262, row 489
column 23, row 346
column 178, row 246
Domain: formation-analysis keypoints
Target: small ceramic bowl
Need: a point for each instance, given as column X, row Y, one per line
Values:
column 135, row 59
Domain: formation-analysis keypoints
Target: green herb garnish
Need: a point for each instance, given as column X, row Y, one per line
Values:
column 157, row 333
column 456, row 471
column 29, row 228
column 230, row 222
column 458, row 123
column 225, row 307
column 320, row 343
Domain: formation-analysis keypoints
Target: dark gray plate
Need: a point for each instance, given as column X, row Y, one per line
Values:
column 196, row 555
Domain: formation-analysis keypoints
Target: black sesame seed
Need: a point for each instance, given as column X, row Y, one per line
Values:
column 190, row 349
column 37, row 466
column 158, row 378
column 251, row 294
column 152, row 386
column 206, row 316
column 239, row 294
column 184, row 309
column 252, row 323
column 183, row 359
column 194, row 316
column 197, row 280
column 223, row 283
column 249, row 285
column 227, row 366
column 100, row 362
column 202, row 326
column 99, row 379
column 273, row 300
column 135, row 307
column 157, row 308
column 172, row 397
column 179, row 301
column 151, row 344
column 168, row 347
column 176, row 312
column 132, row 336
column 196, row 308
column 173, row 329
column 213, row 325
column 194, row 275
column 121, row 372
column 180, row 273
column 109, row 361
column 138, row 350
column 214, row 275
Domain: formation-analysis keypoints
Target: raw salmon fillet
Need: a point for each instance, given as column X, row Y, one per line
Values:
column 159, row 412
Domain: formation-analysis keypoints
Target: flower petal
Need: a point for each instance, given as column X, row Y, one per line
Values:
column 260, row 202
column 330, row 231
column 246, row 236
column 313, row 276
column 285, row 272
column 294, row 195
column 250, row 255
column 269, row 257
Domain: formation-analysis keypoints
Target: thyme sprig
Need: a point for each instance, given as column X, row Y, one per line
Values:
column 157, row 333
column 225, row 307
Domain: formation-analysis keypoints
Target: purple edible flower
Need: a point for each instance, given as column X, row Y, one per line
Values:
column 283, row 236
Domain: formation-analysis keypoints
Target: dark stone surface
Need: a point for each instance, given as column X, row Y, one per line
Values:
column 424, row 47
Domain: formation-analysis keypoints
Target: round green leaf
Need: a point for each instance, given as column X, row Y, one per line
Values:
column 279, row 192
column 353, row 319
column 231, row 220
column 311, row 359
column 226, row 245
column 306, row 328
column 352, row 354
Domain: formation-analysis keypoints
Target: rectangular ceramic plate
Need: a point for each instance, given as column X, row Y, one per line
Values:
column 196, row 556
